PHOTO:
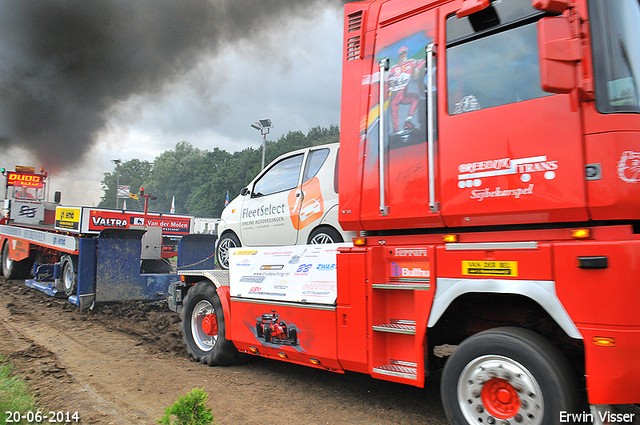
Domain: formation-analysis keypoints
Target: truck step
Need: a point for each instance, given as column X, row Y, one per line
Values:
column 397, row 326
column 399, row 369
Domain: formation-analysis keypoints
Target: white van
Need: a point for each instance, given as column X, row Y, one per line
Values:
column 294, row 200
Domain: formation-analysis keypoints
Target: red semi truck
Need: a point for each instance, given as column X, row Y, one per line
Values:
column 490, row 159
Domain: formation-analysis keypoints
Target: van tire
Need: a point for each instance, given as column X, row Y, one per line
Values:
column 324, row 235
column 226, row 242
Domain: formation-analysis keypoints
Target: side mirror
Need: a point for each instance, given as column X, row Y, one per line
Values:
column 245, row 191
column 553, row 6
column 559, row 52
column 470, row 7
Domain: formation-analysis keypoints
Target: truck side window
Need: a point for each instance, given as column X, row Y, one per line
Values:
column 315, row 159
column 616, row 55
column 492, row 57
column 282, row 176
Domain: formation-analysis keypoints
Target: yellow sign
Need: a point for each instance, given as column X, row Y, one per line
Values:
column 68, row 218
column 490, row 268
column 245, row 252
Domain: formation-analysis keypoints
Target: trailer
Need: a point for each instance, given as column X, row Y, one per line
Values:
column 489, row 157
column 92, row 255
column 97, row 269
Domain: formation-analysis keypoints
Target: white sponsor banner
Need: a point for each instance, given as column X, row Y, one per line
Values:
column 41, row 237
column 26, row 211
column 300, row 273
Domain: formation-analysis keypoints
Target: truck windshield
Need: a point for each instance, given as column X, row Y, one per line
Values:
column 616, row 60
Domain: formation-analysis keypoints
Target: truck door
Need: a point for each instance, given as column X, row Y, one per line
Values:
column 397, row 169
column 509, row 152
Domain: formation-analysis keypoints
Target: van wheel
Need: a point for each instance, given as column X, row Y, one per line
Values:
column 325, row 235
column 226, row 242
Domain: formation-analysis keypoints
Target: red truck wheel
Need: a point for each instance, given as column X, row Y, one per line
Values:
column 507, row 375
column 203, row 327
column 14, row 269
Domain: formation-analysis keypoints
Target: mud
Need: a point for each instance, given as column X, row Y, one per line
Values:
column 125, row 363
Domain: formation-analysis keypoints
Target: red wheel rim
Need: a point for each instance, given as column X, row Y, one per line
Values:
column 210, row 325
column 500, row 399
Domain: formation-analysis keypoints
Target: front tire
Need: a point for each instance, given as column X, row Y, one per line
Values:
column 203, row 327
column 507, row 374
column 226, row 242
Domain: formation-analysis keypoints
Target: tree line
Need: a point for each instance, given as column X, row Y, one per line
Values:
column 200, row 179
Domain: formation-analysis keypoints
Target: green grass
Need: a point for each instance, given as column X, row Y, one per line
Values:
column 189, row 410
column 14, row 395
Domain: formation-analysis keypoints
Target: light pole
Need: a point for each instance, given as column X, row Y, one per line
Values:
column 117, row 162
column 263, row 126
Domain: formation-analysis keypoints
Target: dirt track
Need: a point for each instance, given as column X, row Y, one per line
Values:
column 125, row 363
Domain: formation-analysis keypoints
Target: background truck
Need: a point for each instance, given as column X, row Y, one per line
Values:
column 490, row 155
column 88, row 254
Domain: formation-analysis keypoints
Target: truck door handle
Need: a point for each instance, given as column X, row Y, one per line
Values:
column 431, row 134
column 384, row 209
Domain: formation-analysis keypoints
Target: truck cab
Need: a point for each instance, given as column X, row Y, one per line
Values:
column 478, row 113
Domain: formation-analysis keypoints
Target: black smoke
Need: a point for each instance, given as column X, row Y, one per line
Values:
column 64, row 63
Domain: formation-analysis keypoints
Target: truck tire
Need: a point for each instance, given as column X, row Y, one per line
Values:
column 507, row 375
column 14, row 269
column 69, row 277
column 226, row 242
column 325, row 235
column 203, row 327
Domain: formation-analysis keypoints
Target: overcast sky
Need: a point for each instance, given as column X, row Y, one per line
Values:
column 131, row 82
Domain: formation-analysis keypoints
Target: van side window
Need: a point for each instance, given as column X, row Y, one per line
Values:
column 314, row 163
column 282, row 176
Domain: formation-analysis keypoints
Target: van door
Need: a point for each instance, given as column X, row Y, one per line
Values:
column 309, row 203
column 266, row 217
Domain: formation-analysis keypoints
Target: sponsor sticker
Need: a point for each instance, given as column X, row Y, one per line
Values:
column 490, row 268
column 245, row 252
column 410, row 271
column 68, row 218
column 272, row 267
column 629, row 167
column 474, row 176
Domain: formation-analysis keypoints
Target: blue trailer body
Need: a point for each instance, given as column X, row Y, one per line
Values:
column 197, row 252
column 108, row 268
